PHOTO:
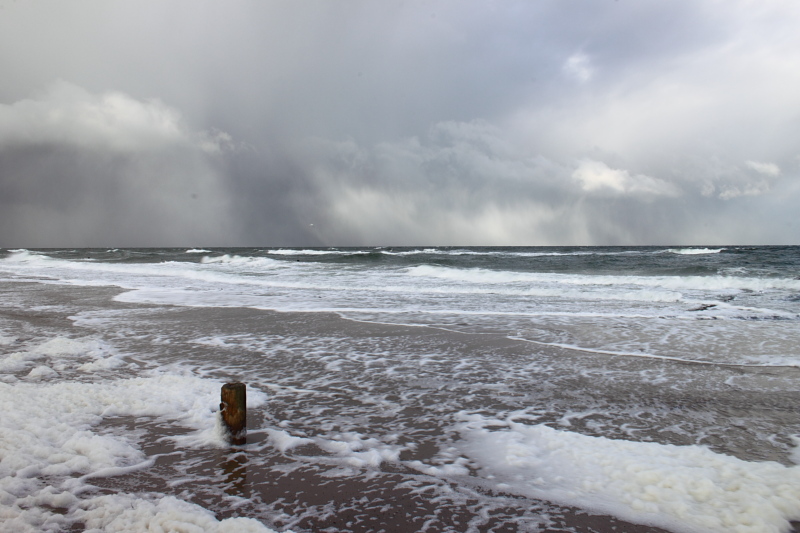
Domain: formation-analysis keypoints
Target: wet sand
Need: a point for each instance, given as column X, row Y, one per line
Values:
column 325, row 375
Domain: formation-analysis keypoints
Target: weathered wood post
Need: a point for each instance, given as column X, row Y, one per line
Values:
column 234, row 411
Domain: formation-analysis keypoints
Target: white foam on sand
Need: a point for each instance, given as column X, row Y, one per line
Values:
column 61, row 353
column 49, row 451
column 5, row 341
column 349, row 450
column 680, row 488
column 42, row 371
column 123, row 512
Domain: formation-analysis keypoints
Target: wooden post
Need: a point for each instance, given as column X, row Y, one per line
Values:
column 234, row 411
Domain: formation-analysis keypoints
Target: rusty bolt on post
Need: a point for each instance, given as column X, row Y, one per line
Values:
column 234, row 411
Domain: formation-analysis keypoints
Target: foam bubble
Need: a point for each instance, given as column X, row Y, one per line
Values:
column 41, row 371
column 127, row 513
column 17, row 361
column 283, row 441
column 356, row 451
column 681, row 488
column 48, row 449
column 795, row 455
column 5, row 341
column 348, row 449
column 63, row 353
column 66, row 346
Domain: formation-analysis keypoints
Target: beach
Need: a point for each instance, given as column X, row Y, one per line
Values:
column 361, row 422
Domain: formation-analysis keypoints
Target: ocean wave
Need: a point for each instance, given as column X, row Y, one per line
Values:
column 240, row 260
column 22, row 255
column 695, row 251
column 311, row 251
column 704, row 283
column 504, row 253
column 429, row 251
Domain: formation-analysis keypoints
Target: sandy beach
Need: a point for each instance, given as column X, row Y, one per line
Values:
column 358, row 415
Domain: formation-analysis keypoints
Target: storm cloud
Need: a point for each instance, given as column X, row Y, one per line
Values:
column 399, row 123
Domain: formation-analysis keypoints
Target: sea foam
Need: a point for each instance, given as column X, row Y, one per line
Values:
column 695, row 251
column 127, row 513
column 681, row 488
column 48, row 450
column 501, row 277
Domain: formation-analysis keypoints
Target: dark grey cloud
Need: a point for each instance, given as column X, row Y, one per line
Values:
column 83, row 170
column 416, row 122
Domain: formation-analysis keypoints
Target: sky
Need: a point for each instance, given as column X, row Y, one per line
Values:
column 390, row 123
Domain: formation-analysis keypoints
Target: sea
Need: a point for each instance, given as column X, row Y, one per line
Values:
column 458, row 389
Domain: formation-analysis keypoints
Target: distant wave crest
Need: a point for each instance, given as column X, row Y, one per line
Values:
column 695, row 251
column 239, row 260
column 286, row 251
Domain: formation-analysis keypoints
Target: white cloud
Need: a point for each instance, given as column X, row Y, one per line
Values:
column 743, row 188
column 767, row 169
column 69, row 115
column 597, row 177
column 727, row 181
column 579, row 67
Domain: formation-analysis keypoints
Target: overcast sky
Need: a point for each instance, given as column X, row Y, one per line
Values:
column 334, row 123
